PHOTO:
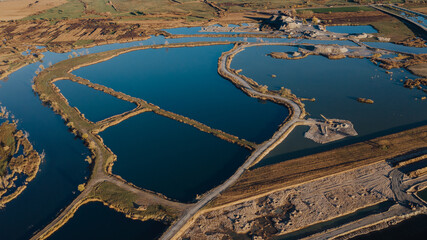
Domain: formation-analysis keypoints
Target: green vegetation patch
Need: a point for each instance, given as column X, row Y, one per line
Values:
column 394, row 29
column 71, row 9
column 236, row 5
column 120, row 8
column 340, row 9
column 149, row 7
column 154, row 211
column 114, row 195
column 100, row 6
column 196, row 9
column 125, row 202
column 79, row 43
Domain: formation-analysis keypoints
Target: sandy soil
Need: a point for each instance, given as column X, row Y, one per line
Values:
column 17, row 9
column 308, row 202
column 296, row 171
column 290, row 209
column 420, row 69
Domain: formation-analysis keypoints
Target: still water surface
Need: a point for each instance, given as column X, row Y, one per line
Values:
column 336, row 84
column 169, row 157
column 95, row 105
column 96, row 221
column 185, row 81
column 352, row 29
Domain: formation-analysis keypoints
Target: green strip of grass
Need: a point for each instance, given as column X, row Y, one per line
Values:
column 71, row 9
column 114, row 195
column 339, row 9
column 394, row 29
column 125, row 201
column 79, row 43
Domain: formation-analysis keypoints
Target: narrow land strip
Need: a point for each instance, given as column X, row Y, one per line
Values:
column 143, row 106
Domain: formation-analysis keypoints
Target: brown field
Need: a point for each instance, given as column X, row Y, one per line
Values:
column 278, row 176
column 17, row 9
column 70, row 33
column 421, row 9
column 386, row 25
column 353, row 17
column 419, row 69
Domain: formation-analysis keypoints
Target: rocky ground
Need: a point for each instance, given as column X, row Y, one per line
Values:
column 296, row 207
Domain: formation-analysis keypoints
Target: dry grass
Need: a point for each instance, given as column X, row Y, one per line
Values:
column 296, row 171
column 421, row 10
column 14, row 164
column 17, row 9
column 189, row 10
column 11, row 60
column 7, row 145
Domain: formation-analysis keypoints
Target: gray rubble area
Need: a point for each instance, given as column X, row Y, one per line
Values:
column 328, row 131
column 290, row 209
column 247, row 28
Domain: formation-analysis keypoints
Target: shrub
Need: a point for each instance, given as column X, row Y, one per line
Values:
column 85, row 136
column 263, row 89
column 306, row 14
column 81, row 187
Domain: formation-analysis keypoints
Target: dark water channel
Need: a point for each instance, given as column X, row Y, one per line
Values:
column 169, row 157
column 96, row 221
